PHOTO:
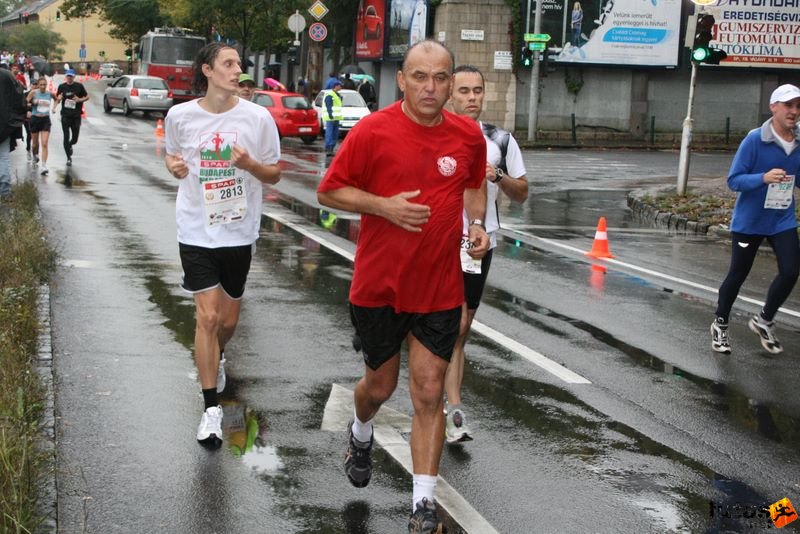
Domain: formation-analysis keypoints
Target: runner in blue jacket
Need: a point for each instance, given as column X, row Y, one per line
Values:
column 764, row 173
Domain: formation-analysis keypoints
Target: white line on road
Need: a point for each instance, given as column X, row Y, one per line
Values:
column 531, row 355
column 389, row 426
column 644, row 270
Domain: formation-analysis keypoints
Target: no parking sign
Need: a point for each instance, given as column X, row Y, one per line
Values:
column 317, row 31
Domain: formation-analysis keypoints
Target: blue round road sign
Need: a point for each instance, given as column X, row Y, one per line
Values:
column 317, row 31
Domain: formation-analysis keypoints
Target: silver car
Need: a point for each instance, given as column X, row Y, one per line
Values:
column 138, row 93
column 111, row 70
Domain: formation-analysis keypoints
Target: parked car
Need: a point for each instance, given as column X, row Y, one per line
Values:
column 138, row 93
column 110, row 70
column 293, row 114
column 372, row 23
column 354, row 108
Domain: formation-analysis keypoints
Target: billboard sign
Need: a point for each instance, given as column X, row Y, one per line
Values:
column 758, row 34
column 614, row 32
column 370, row 29
column 408, row 24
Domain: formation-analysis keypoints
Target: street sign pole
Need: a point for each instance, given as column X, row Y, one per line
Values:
column 533, row 105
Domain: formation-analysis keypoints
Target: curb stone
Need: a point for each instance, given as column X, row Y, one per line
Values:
column 47, row 506
column 671, row 221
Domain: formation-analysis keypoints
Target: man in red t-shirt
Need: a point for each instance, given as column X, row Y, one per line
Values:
column 409, row 169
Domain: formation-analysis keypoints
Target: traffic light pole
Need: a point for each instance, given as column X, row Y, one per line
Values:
column 533, row 104
column 686, row 138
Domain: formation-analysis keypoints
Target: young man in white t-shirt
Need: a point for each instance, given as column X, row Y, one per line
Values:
column 505, row 171
column 221, row 148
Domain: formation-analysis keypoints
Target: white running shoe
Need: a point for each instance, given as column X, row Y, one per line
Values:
column 766, row 333
column 456, row 429
column 43, row 170
column 719, row 337
column 210, row 428
column 221, row 374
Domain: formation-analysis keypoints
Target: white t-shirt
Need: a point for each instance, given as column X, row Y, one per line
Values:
column 219, row 205
column 516, row 168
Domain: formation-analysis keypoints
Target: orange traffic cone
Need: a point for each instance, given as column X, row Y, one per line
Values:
column 160, row 128
column 600, row 245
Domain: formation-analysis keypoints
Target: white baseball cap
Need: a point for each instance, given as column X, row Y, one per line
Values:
column 784, row 93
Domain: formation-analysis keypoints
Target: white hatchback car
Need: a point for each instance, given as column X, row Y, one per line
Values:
column 110, row 70
column 138, row 93
column 353, row 108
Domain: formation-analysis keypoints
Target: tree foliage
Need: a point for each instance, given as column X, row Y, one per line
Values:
column 35, row 40
column 128, row 19
column 341, row 21
column 7, row 6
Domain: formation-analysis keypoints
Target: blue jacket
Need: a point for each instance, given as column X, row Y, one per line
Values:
column 758, row 153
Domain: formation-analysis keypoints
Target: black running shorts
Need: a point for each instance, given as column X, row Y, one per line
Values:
column 40, row 124
column 207, row 268
column 474, row 283
column 381, row 331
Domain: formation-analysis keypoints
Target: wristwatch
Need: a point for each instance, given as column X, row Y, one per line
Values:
column 478, row 222
column 498, row 175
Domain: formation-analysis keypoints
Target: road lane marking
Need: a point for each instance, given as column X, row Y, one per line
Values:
column 521, row 350
column 529, row 354
column 389, row 426
column 300, row 230
column 644, row 270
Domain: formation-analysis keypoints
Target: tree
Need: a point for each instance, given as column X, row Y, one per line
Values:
column 35, row 40
column 128, row 19
column 341, row 22
column 7, row 6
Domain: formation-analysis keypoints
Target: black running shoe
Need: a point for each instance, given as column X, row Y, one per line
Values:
column 357, row 459
column 424, row 519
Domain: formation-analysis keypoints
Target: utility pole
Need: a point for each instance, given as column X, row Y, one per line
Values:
column 686, row 137
column 533, row 104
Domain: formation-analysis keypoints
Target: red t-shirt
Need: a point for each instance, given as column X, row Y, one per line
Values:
column 386, row 154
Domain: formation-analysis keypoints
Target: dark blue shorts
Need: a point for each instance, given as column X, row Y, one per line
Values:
column 381, row 331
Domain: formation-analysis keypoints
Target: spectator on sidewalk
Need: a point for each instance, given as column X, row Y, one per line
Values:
column 764, row 175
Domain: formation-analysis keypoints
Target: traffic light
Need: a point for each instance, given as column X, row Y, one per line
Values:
column 527, row 56
column 128, row 53
column 291, row 54
column 701, row 50
column 58, row 16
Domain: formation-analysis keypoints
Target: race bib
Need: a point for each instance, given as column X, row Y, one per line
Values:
column 468, row 263
column 42, row 106
column 225, row 200
column 779, row 196
column 69, row 104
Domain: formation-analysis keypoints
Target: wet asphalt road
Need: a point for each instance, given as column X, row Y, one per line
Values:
column 663, row 428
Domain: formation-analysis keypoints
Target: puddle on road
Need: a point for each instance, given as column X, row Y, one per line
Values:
column 675, row 490
column 769, row 421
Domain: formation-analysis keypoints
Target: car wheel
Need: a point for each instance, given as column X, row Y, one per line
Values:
column 126, row 110
column 308, row 139
column 106, row 105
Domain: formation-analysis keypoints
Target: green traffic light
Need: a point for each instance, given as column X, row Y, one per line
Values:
column 700, row 54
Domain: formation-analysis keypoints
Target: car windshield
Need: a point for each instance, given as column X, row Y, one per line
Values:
column 352, row 100
column 175, row 50
column 150, row 83
column 296, row 102
column 108, row 66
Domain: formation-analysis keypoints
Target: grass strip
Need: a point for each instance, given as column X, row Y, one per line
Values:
column 25, row 263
